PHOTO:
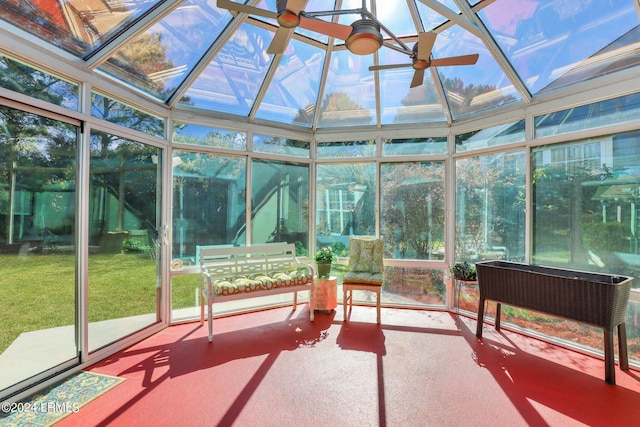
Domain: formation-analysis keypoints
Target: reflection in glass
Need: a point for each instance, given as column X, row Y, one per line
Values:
column 492, row 136
column 124, row 284
column 490, row 207
column 412, row 210
column 277, row 145
column 158, row 60
column 280, row 203
column 411, row 146
column 293, row 92
column 14, row 75
column 185, row 133
column 349, row 149
column 37, row 244
column 601, row 113
column 122, row 114
column 349, row 95
column 232, row 80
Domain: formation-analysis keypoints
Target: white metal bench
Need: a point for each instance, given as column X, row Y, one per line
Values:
column 233, row 273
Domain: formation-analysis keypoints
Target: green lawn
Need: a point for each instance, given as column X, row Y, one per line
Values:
column 38, row 291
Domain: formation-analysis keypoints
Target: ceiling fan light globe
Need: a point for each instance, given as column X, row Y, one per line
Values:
column 420, row 64
column 365, row 37
column 287, row 19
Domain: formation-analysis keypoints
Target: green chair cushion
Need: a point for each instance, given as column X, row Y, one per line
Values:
column 366, row 255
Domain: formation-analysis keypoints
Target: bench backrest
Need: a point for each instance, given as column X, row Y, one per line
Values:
column 220, row 261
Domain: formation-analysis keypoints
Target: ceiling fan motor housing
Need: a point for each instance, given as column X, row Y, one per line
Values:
column 365, row 37
column 288, row 19
column 419, row 63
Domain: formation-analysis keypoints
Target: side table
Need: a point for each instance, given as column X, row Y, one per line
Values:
column 325, row 293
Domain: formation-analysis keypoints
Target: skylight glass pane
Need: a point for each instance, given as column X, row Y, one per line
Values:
column 547, row 39
column 399, row 102
column 432, row 19
column 471, row 88
column 293, row 92
column 77, row 26
column 231, row 81
column 349, row 95
column 185, row 133
column 394, row 14
column 159, row 59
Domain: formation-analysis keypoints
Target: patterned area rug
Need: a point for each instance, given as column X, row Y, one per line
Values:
column 58, row 400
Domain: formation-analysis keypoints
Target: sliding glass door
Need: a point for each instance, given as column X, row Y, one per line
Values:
column 124, row 253
column 38, row 161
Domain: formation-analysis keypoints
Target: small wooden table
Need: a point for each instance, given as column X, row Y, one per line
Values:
column 325, row 292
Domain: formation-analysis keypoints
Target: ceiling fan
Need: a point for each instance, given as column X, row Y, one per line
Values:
column 362, row 37
column 421, row 59
column 289, row 16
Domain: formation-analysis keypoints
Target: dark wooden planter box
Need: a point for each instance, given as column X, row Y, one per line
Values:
column 596, row 299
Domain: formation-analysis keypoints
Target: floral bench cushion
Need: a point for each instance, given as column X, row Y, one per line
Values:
column 259, row 282
column 366, row 255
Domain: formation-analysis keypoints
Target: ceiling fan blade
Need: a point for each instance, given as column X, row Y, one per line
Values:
column 456, row 60
column 330, row 29
column 294, row 6
column 425, row 44
column 230, row 5
column 280, row 40
column 418, row 78
column 388, row 67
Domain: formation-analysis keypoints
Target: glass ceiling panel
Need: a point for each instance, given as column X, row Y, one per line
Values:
column 231, row 81
column 394, row 14
column 471, row 88
column 159, row 59
column 545, row 39
column 77, row 26
column 293, row 92
column 432, row 19
column 400, row 103
column 349, row 96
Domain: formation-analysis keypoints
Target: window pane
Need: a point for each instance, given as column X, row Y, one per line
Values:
column 412, row 209
column 490, row 207
column 280, row 203
column 496, row 135
column 405, row 147
column 345, row 204
column 601, row 113
column 124, row 206
column 346, row 149
column 21, row 78
column 276, row 145
column 37, row 244
column 210, row 137
column 121, row 114
column 208, row 202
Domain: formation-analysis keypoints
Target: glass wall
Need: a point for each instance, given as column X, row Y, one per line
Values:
column 38, row 209
column 412, row 215
column 490, row 214
column 124, row 214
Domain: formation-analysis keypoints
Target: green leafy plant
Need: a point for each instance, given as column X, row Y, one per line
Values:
column 325, row 255
column 464, row 271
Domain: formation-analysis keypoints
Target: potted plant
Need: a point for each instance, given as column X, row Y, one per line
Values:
column 324, row 257
column 464, row 272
